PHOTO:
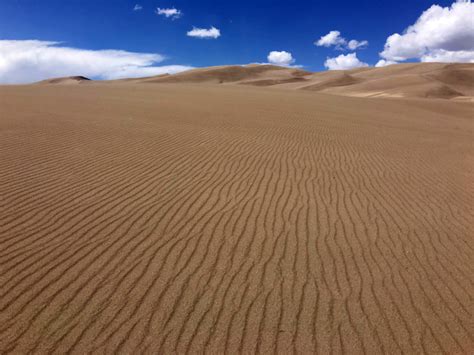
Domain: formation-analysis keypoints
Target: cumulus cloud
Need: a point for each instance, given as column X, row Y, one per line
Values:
column 27, row 61
column 137, row 7
column 344, row 62
column 444, row 34
column 204, row 33
column 334, row 39
column 280, row 58
column 441, row 55
column 172, row 13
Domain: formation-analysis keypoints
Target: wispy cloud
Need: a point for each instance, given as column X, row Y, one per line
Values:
column 172, row 13
column 32, row 60
column 204, row 33
column 137, row 7
column 354, row 44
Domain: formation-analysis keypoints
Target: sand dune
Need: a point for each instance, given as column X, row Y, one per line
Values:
column 229, row 74
column 66, row 80
column 179, row 218
column 421, row 80
column 426, row 80
column 415, row 80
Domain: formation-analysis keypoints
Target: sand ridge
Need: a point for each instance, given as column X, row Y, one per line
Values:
column 221, row 218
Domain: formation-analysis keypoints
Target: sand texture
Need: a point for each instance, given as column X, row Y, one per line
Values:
column 181, row 218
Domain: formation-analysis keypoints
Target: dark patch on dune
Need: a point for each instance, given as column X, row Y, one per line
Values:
column 456, row 75
column 442, row 92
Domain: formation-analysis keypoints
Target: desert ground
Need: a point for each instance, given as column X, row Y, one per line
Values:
column 239, row 210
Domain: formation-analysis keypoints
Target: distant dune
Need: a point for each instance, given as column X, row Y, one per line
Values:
column 229, row 74
column 66, row 80
column 416, row 80
column 411, row 80
column 231, row 210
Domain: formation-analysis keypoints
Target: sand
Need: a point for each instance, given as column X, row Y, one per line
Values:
column 174, row 218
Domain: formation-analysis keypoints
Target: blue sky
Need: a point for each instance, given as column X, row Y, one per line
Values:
column 249, row 29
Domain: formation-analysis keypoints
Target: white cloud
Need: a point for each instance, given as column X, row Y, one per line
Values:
column 441, row 55
column 440, row 34
column 27, row 61
column 334, row 38
column 280, row 58
column 204, row 33
column 137, row 7
column 344, row 62
column 354, row 44
column 384, row 63
column 171, row 12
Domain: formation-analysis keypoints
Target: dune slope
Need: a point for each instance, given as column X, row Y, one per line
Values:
column 232, row 219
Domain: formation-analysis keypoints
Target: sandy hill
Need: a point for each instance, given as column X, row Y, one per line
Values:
column 66, row 80
column 419, row 80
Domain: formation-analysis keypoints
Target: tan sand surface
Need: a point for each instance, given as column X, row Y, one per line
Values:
column 190, row 218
